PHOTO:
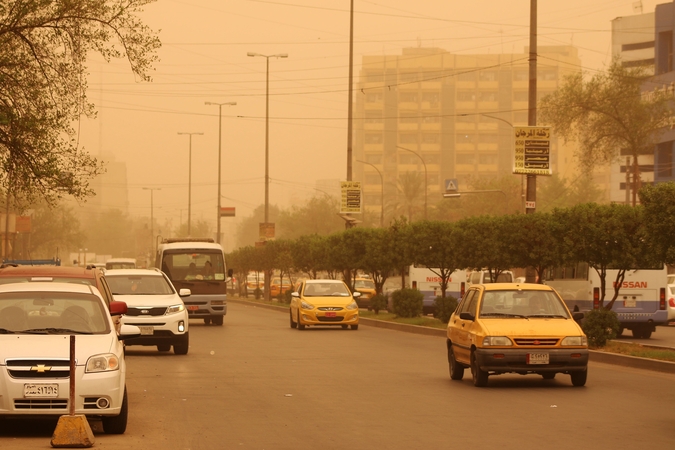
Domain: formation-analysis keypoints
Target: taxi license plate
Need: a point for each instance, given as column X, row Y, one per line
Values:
column 147, row 330
column 40, row 390
column 331, row 314
column 537, row 358
column 192, row 307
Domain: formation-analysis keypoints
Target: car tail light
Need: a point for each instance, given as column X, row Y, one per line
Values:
column 596, row 298
column 672, row 302
column 462, row 289
column 414, row 284
column 662, row 299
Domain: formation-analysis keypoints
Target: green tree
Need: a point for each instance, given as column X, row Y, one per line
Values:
column 607, row 115
column 483, row 243
column 384, row 255
column 659, row 219
column 536, row 244
column 309, row 254
column 409, row 201
column 55, row 230
column 43, row 91
column 434, row 244
column 248, row 231
column 318, row 216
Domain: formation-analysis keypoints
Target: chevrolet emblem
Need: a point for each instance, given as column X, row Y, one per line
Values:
column 40, row 368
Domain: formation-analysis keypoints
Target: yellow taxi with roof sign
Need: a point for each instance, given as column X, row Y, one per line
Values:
column 518, row 328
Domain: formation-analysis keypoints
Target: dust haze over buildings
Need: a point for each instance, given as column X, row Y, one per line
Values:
column 204, row 59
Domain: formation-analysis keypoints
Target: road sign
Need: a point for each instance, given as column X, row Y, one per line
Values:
column 530, row 205
column 532, row 151
column 451, row 184
column 351, row 197
column 266, row 231
column 227, row 211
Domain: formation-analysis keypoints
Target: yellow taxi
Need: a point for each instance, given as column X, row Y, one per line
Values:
column 515, row 328
column 277, row 286
column 324, row 303
column 366, row 287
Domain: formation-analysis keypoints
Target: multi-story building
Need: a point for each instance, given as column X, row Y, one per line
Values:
column 447, row 116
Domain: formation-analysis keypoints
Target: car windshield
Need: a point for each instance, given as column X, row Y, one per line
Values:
column 364, row 284
column 325, row 290
column 194, row 265
column 139, row 285
column 522, row 303
column 52, row 313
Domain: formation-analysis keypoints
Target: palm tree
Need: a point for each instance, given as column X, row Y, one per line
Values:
column 410, row 195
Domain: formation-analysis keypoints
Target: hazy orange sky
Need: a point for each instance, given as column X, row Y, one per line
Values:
column 204, row 58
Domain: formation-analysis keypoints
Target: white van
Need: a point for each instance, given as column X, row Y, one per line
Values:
column 483, row 276
column 120, row 263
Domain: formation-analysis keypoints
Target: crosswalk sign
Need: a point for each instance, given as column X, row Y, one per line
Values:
column 451, row 184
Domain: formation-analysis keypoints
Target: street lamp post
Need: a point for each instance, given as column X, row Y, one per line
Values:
column 220, row 128
column 152, row 217
column 382, row 193
column 426, row 179
column 190, row 180
column 267, row 129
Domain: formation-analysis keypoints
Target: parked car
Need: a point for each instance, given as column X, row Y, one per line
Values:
column 324, row 302
column 35, row 322
column 120, row 263
column 255, row 281
column 366, row 287
column 90, row 275
column 154, row 306
column 278, row 287
column 515, row 328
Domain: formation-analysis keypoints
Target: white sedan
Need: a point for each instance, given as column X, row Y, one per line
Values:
column 36, row 321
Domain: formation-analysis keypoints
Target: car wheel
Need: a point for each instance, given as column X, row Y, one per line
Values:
column 164, row 347
column 207, row 321
column 117, row 424
column 217, row 320
column 548, row 375
column 480, row 377
column 354, row 327
column 344, row 327
column 620, row 332
column 579, row 378
column 301, row 326
column 181, row 348
column 290, row 318
column 456, row 369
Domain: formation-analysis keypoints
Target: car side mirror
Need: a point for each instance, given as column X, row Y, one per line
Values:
column 117, row 308
column 356, row 294
column 230, row 272
column 295, row 294
column 577, row 316
column 467, row 316
column 184, row 292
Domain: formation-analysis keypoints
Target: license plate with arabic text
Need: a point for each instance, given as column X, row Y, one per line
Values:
column 31, row 390
column 331, row 314
column 537, row 358
column 147, row 330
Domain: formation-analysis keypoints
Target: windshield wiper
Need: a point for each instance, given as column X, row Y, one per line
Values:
column 549, row 316
column 6, row 331
column 55, row 331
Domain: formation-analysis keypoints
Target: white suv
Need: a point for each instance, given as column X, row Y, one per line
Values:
column 154, row 306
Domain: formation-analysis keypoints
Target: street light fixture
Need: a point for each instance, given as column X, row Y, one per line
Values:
column 190, row 180
column 267, row 128
column 382, row 193
column 426, row 179
column 220, row 128
column 152, row 217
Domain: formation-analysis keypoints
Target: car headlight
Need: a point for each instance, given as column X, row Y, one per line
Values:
column 175, row 309
column 305, row 305
column 575, row 341
column 501, row 341
column 352, row 306
column 102, row 363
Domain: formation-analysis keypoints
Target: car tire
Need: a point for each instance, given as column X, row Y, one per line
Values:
column 548, row 375
column 620, row 332
column 290, row 318
column 164, row 347
column 480, row 377
column 117, row 424
column 301, row 326
column 579, row 378
column 207, row 321
column 354, row 327
column 344, row 327
column 217, row 320
column 181, row 347
column 456, row 369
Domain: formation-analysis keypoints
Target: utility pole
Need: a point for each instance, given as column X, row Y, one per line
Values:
column 531, row 194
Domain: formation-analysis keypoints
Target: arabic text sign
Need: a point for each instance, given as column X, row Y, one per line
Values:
column 532, row 151
column 351, row 197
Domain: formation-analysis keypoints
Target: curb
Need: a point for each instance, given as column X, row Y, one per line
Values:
column 595, row 355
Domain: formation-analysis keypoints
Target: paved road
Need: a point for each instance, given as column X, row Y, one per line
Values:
column 664, row 336
column 257, row 384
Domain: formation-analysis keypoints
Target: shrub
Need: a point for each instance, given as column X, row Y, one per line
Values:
column 600, row 325
column 257, row 293
column 408, row 302
column 378, row 303
column 286, row 297
column 444, row 307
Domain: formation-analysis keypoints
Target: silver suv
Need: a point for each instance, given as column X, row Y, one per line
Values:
column 154, row 306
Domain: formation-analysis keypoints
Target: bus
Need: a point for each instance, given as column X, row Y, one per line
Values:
column 428, row 282
column 640, row 306
column 197, row 264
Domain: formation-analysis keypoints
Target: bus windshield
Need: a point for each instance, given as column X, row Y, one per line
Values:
column 194, row 265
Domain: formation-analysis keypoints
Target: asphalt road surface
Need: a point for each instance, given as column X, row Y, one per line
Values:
column 255, row 383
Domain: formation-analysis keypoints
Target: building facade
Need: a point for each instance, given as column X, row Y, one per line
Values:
column 443, row 116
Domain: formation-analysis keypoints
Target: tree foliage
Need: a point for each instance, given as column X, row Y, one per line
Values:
column 44, row 50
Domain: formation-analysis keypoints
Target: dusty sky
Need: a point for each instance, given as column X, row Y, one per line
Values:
column 204, row 58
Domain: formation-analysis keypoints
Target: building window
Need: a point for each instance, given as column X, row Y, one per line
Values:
column 431, row 97
column 375, row 77
column 375, row 97
column 374, row 117
column 665, row 49
column 664, row 155
column 430, row 138
column 466, row 118
column 521, row 75
column 466, row 138
column 466, row 158
column 431, row 119
column 488, row 138
column 408, row 158
column 547, row 75
column 374, row 158
column 433, row 158
column 373, row 179
column 408, row 77
column 521, row 96
column 408, row 138
column 487, row 75
column 408, row 118
column 467, row 76
column 487, row 96
column 372, row 138
column 466, row 96
column 487, row 158
column 407, row 97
